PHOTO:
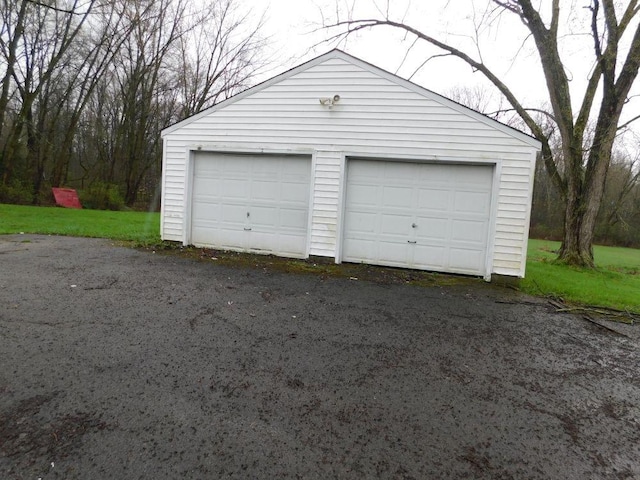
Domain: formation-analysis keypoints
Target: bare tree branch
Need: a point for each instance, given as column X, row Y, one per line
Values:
column 629, row 122
column 536, row 110
column 54, row 7
column 427, row 60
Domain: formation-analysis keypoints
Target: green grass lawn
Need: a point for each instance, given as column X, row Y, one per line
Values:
column 139, row 227
column 615, row 283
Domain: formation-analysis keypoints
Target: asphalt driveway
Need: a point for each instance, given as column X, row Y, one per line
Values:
column 120, row 364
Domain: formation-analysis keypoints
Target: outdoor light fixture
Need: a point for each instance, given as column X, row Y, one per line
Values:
column 330, row 101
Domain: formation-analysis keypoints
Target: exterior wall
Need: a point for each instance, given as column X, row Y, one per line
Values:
column 377, row 116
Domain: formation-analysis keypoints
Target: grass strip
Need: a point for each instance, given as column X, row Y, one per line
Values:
column 615, row 283
column 138, row 227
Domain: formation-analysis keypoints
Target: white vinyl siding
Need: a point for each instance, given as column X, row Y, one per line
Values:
column 325, row 213
column 377, row 116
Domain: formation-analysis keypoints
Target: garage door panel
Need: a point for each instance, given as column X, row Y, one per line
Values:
column 393, row 253
column 468, row 231
column 209, row 170
column 227, row 238
column 396, row 225
column 294, row 178
column 290, row 245
column 207, row 191
column 361, row 170
column 431, row 176
column 284, row 218
column 263, row 216
column 264, row 169
column 432, row 228
column 264, row 191
column 231, row 165
column 204, row 213
column 470, row 176
column 472, row 202
column 400, row 172
column 292, row 218
column 233, row 188
column 465, row 260
column 260, row 175
column 366, row 248
column 229, row 213
column 429, row 216
column 209, row 226
column 361, row 222
column 429, row 256
column 262, row 241
column 211, row 180
column 251, row 202
column 361, row 194
column 399, row 196
column 299, row 167
column 206, row 199
column 212, row 231
column 295, row 192
column 433, row 199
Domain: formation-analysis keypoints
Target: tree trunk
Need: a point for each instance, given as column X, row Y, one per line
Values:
column 585, row 190
column 578, row 236
column 6, row 150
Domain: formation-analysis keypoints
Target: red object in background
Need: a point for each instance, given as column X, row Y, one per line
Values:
column 66, row 197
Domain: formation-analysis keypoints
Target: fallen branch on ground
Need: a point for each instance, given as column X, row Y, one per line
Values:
column 623, row 316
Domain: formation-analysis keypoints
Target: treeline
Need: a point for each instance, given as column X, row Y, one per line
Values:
column 87, row 86
column 618, row 221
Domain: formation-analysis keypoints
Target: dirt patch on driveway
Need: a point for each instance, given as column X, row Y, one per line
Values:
column 125, row 364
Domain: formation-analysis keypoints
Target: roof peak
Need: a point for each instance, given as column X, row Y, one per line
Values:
column 338, row 53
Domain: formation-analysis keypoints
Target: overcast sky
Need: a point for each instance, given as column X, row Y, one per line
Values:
column 295, row 30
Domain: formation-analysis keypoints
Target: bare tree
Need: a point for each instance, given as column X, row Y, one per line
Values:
column 483, row 100
column 139, row 64
column 11, row 33
column 140, row 83
column 35, row 49
column 179, row 59
column 613, row 33
column 220, row 55
column 618, row 218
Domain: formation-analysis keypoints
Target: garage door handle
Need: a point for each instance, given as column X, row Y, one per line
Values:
column 247, row 229
column 412, row 241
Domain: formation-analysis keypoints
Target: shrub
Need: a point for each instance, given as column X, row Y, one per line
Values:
column 545, row 232
column 17, row 193
column 102, row 196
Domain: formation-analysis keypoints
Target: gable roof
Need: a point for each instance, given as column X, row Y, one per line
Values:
column 339, row 54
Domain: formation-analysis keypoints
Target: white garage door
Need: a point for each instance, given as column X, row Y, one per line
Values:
column 424, row 216
column 257, row 203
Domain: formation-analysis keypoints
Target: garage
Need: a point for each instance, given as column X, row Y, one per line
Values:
column 256, row 203
column 339, row 158
column 425, row 216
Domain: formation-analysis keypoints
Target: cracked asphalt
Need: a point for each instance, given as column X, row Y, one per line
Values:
column 117, row 363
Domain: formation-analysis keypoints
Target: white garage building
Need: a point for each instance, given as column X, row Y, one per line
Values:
column 339, row 158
